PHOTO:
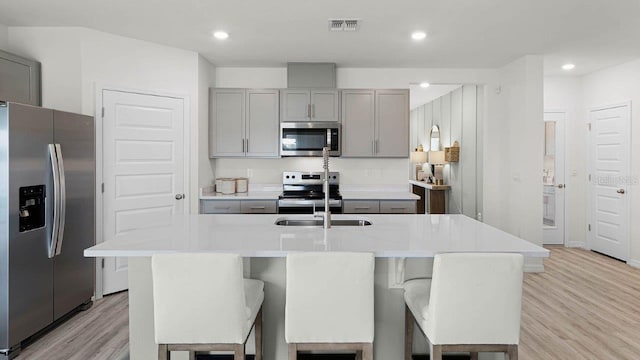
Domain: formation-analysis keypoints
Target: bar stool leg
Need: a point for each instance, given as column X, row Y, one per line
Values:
column 474, row 355
column 408, row 333
column 293, row 352
column 238, row 353
column 367, row 352
column 512, row 352
column 258, row 335
column 359, row 354
column 163, row 352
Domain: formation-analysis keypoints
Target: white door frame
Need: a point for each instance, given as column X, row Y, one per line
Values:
column 590, row 154
column 565, row 210
column 99, row 89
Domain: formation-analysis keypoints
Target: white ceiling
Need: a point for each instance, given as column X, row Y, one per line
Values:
column 461, row 33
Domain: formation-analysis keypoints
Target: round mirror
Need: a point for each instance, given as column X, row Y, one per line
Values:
column 434, row 137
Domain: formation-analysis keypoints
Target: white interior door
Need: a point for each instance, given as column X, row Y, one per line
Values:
column 143, row 168
column 610, row 180
column 553, row 194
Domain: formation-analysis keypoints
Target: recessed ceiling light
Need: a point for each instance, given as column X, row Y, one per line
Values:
column 418, row 35
column 220, row 35
column 424, row 85
column 568, row 67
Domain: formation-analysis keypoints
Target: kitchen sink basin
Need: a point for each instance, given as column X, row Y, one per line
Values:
column 318, row 222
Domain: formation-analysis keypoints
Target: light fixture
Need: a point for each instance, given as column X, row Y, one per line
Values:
column 424, row 85
column 220, row 35
column 568, row 66
column 418, row 35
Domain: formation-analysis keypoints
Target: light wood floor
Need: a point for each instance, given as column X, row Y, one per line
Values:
column 584, row 306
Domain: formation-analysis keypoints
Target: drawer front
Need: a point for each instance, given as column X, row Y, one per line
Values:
column 361, row 207
column 258, row 207
column 397, row 207
column 220, row 206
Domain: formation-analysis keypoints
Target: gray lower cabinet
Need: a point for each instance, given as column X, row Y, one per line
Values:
column 238, row 206
column 379, row 206
column 258, row 207
column 375, row 123
column 244, row 123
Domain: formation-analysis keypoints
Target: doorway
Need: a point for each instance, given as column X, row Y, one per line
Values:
column 143, row 169
column 610, row 180
column 553, row 181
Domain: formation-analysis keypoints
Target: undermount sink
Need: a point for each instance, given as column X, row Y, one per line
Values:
column 318, row 222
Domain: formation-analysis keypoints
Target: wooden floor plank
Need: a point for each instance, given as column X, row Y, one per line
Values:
column 584, row 306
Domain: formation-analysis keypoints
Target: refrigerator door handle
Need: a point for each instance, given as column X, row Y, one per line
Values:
column 56, row 198
column 63, row 200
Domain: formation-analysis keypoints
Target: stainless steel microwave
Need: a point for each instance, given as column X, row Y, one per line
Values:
column 308, row 138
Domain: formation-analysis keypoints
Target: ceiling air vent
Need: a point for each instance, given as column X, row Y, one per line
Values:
column 344, row 24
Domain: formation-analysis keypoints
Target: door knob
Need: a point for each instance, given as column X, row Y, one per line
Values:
column 620, row 191
column 179, row 196
column 561, row 186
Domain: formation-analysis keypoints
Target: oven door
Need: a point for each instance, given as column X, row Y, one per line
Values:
column 301, row 206
column 308, row 139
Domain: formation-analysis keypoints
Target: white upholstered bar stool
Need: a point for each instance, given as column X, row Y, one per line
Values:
column 329, row 303
column 471, row 304
column 201, row 302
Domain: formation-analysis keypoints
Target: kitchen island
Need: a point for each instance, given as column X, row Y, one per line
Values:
column 257, row 237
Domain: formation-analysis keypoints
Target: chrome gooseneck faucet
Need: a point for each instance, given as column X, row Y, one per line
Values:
column 326, row 214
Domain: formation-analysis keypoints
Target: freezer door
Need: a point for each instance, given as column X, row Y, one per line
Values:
column 26, row 281
column 74, row 273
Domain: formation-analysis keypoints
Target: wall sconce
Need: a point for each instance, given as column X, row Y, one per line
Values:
column 418, row 157
column 436, row 158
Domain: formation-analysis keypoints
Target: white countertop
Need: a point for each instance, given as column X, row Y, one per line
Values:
column 426, row 185
column 257, row 236
column 350, row 192
column 251, row 195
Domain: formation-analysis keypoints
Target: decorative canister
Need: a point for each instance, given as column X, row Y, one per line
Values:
column 242, row 185
column 225, row 186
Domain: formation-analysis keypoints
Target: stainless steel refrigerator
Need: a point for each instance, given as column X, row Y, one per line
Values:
column 47, row 219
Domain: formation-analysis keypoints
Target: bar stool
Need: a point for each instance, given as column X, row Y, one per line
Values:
column 329, row 303
column 202, row 303
column 472, row 304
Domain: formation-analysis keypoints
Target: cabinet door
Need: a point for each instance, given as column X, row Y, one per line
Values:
column 226, row 127
column 361, row 207
column 258, row 207
column 295, row 105
column 220, row 206
column 392, row 123
column 397, row 206
column 324, row 105
column 262, row 124
column 358, row 114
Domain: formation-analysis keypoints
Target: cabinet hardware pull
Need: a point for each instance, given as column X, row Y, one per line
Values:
column 257, row 208
column 621, row 191
column 363, row 208
column 222, row 208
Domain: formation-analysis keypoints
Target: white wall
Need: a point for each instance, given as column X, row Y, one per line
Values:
column 512, row 160
column 612, row 86
column 565, row 94
column 4, row 37
column 76, row 60
column 206, row 79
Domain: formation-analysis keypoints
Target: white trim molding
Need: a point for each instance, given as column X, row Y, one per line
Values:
column 577, row 244
column 634, row 263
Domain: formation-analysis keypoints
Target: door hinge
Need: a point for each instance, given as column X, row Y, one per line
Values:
column 589, row 227
column 102, row 188
column 103, row 263
column 103, row 112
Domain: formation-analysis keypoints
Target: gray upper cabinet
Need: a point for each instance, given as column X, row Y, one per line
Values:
column 375, row 123
column 358, row 117
column 243, row 123
column 392, row 123
column 19, row 79
column 262, row 123
column 300, row 105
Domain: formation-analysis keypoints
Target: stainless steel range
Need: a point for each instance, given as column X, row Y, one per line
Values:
column 302, row 193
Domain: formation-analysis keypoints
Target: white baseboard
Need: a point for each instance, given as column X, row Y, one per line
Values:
column 577, row 244
column 634, row 263
column 534, row 268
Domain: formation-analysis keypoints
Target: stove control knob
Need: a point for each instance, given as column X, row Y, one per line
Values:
column 287, row 176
